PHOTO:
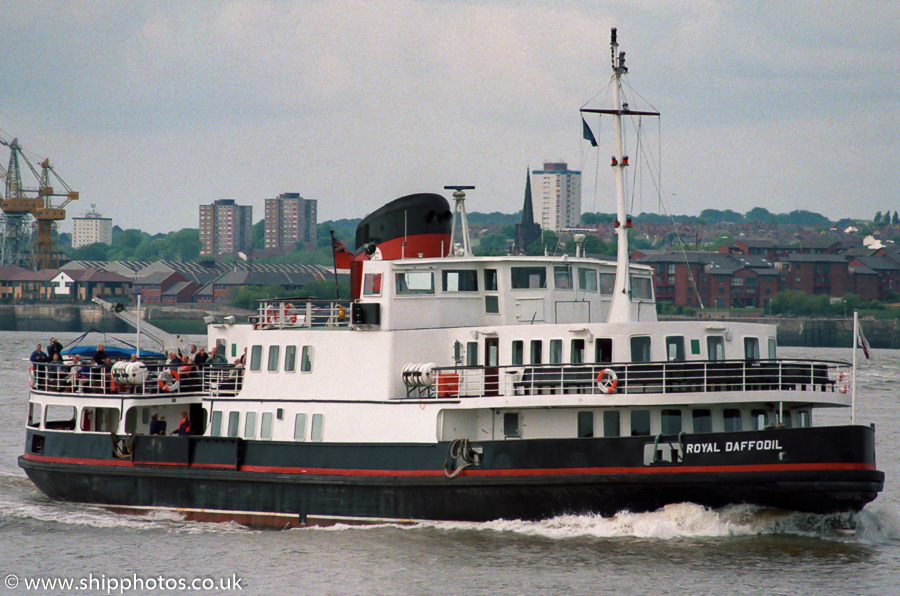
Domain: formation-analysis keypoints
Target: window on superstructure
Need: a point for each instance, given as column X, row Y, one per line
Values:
column 732, row 419
column 577, row 351
column 34, row 414
column 715, row 347
column 603, row 350
column 524, row 278
column 250, row 425
column 265, row 429
column 675, row 348
column 555, row 351
column 587, row 279
column 490, row 280
column 640, row 348
column 562, row 277
column 640, row 423
column 758, row 419
column 772, row 347
column 518, row 352
column 670, row 422
column 234, row 419
column 306, row 359
column 751, row 348
column 492, row 304
column 585, row 425
column 290, row 358
column 472, row 353
column 415, row 282
column 611, row 426
column 702, row 420
column 641, row 287
column 804, row 419
column 59, row 417
column 274, row 357
column 455, row 280
column 300, row 427
column 372, row 284
column 318, row 428
column 216, row 424
column 255, row 357
column 537, row 351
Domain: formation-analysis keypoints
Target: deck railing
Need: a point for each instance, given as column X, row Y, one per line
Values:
column 306, row 313
column 159, row 378
column 618, row 378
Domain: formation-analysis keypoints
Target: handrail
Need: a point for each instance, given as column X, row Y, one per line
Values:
column 284, row 314
column 159, row 379
column 639, row 378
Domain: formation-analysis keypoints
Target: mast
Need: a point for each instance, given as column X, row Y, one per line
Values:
column 621, row 308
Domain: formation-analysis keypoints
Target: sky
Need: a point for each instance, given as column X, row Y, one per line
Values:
column 150, row 109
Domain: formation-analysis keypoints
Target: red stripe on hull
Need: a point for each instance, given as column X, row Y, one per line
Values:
column 478, row 473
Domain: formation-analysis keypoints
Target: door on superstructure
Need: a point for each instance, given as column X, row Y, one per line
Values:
column 492, row 366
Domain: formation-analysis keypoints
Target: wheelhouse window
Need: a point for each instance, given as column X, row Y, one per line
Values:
column 555, row 351
column 675, row 348
column 290, row 358
column 585, row 425
column 772, row 345
column 587, row 279
column 415, row 282
column 603, row 350
column 562, row 278
column 641, row 287
column 255, row 357
column 702, row 420
column 274, row 357
column 577, row 351
column 803, row 419
column 459, row 280
column 607, row 283
column 34, row 414
column 492, row 304
column 751, row 348
column 518, row 352
column 537, row 351
column 306, row 359
column 640, row 423
column 372, row 284
column 490, row 280
column 524, row 278
column 715, row 347
column 640, row 348
column 670, row 422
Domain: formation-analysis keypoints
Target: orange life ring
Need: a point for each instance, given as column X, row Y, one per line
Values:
column 607, row 381
column 169, row 379
column 292, row 317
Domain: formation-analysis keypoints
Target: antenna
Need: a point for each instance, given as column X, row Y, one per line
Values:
column 460, row 208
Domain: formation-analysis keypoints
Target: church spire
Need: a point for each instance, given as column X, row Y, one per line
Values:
column 528, row 208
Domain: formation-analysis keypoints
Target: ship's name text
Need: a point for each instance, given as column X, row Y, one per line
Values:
column 729, row 446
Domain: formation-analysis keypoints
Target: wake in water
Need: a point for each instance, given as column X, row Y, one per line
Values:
column 686, row 520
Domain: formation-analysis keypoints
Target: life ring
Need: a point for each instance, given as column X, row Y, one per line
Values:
column 31, row 376
column 607, row 380
column 169, row 380
column 271, row 315
column 842, row 381
column 289, row 315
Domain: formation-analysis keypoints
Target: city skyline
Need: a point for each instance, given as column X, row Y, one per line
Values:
column 161, row 108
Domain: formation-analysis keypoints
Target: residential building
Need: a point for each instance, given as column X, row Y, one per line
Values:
column 290, row 219
column 91, row 229
column 556, row 196
column 226, row 228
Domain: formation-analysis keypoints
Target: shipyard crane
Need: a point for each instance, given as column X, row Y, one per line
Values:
column 19, row 204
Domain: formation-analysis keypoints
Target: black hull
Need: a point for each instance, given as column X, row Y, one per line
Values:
column 515, row 479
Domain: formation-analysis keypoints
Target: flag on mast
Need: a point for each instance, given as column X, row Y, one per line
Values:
column 342, row 256
column 587, row 133
column 862, row 342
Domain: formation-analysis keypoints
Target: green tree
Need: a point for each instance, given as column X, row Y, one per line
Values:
column 259, row 234
column 758, row 214
column 895, row 220
column 877, row 219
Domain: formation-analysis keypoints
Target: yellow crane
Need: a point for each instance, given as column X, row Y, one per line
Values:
column 20, row 203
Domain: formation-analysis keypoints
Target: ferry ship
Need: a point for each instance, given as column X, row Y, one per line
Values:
column 457, row 387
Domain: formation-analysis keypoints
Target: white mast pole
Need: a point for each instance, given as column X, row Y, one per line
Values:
column 853, row 375
column 138, row 342
column 620, row 309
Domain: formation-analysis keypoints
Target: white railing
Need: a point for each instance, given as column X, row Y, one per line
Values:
column 641, row 378
column 284, row 314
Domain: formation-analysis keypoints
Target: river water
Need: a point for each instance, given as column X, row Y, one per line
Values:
column 682, row 549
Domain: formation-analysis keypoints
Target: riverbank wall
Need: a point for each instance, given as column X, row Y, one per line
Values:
column 792, row 331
